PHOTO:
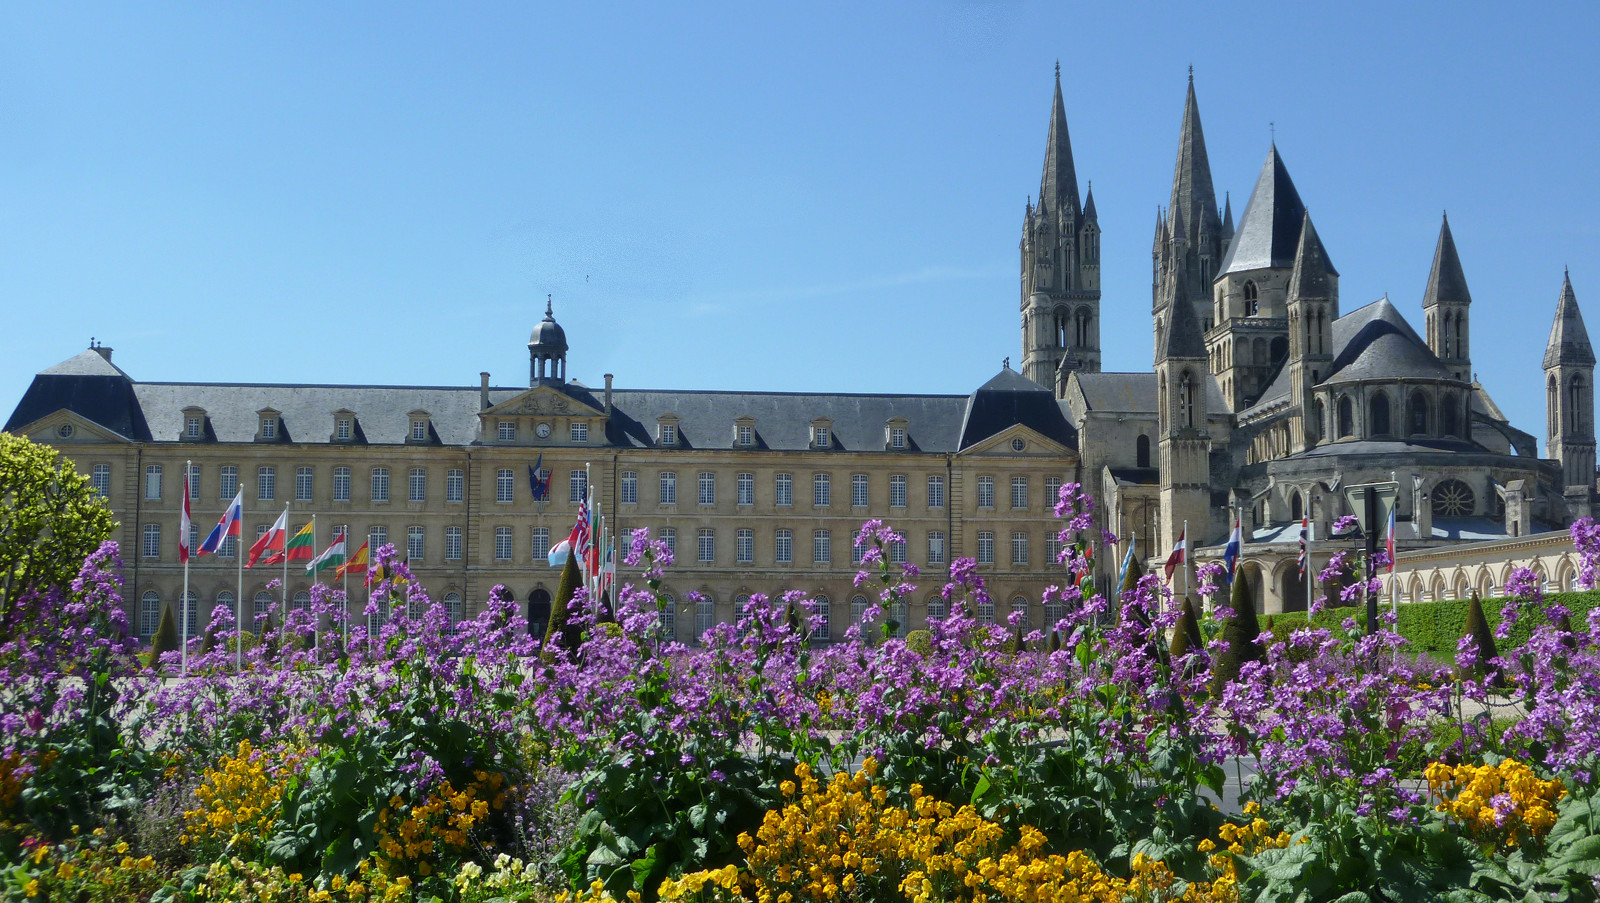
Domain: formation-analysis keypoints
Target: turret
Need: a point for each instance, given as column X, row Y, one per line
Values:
column 547, row 350
column 1313, row 305
column 1181, row 425
column 1446, row 304
column 1569, row 400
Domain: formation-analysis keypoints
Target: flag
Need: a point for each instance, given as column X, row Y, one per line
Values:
column 1305, row 537
column 270, row 543
column 183, row 520
column 1176, row 558
column 581, row 540
column 355, row 564
column 303, row 545
column 331, row 557
column 538, row 486
column 1088, row 563
column 1235, row 542
column 558, row 555
column 1390, row 543
column 1127, row 559
column 228, row 526
column 608, row 570
column 377, row 574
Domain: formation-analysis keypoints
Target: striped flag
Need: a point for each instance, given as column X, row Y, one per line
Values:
column 1230, row 553
column 183, row 520
column 581, row 539
column 355, row 564
column 270, row 543
column 228, row 526
column 1305, row 537
column 1180, row 549
column 331, row 557
column 301, row 547
column 1390, row 544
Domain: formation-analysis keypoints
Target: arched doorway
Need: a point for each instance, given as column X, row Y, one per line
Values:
column 1292, row 589
column 538, row 612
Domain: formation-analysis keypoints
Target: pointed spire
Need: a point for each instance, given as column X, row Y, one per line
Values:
column 1178, row 232
column 1058, row 186
column 1569, row 340
column 1310, row 278
column 1184, row 339
column 1088, row 204
column 1446, row 281
column 1161, row 227
column 1194, row 200
column 1269, row 228
column 1227, row 216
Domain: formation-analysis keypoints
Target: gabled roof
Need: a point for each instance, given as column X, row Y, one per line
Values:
column 1446, row 281
column 1011, row 398
column 1569, row 340
column 1269, row 228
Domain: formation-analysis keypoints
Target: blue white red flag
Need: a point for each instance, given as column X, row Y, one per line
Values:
column 228, row 526
column 1231, row 553
column 1127, row 559
column 538, row 480
column 1305, row 538
column 1178, row 552
column 1389, row 545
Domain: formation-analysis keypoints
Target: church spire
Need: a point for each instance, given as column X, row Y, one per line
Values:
column 1058, row 186
column 1311, row 277
column 1194, row 201
column 1446, row 281
column 1569, row 340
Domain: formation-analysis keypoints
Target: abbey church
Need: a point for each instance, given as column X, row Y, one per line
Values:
column 1266, row 394
column 1264, row 397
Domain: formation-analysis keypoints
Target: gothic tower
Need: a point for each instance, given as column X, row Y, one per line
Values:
column 1569, row 400
column 1446, row 304
column 1313, row 305
column 1192, row 238
column 1185, row 444
column 1249, row 337
column 1060, row 266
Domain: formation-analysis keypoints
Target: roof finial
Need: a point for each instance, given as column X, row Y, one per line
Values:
column 1191, row 73
column 547, row 311
column 1058, row 70
column 91, row 341
column 1007, row 362
column 1272, row 127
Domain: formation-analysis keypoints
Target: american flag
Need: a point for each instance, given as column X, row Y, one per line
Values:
column 1305, row 527
column 581, row 539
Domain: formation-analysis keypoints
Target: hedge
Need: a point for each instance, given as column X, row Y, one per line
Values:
column 1436, row 627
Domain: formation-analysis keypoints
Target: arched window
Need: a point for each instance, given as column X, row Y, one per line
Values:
column 705, row 613
column 1419, row 414
column 1575, row 403
column 1380, row 414
column 539, row 613
column 224, row 602
column 1186, row 401
column 1252, row 303
column 1061, row 327
column 1319, row 420
column 1163, row 395
column 302, row 601
column 822, row 614
column 1551, row 404
column 1296, row 507
column 1258, row 352
column 1141, row 451
column 1446, row 335
column 1452, row 498
column 149, row 614
column 191, row 612
column 1347, row 417
column 1451, row 415
column 1083, row 327
column 858, row 610
column 452, row 604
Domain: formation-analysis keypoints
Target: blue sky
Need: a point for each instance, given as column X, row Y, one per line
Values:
column 747, row 196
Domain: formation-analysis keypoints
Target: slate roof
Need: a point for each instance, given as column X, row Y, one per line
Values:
column 1058, row 186
column 154, row 411
column 1269, row 228
column 1184, row 338
column 1312, row 276
column 1569, row 340
column 1194, row 201
column 1446, row 281
column 1133, row 393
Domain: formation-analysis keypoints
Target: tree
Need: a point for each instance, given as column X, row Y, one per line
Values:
column 559, row 634
column 166, row 638
column 1130, row 584
column 1186, row 635
column 1478, row 628
column 1238, row 636
column 50, row 522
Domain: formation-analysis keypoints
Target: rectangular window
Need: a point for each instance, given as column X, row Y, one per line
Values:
column 1052, row 547
column 377, row 536
column 417, row 485
column 747, row 546
column 897, row 437
column 858, row 490
column 821, row 547
column 821, row 490
column 985, row 547
column 1019, row 548
column 784, row 486
column 747, row 488
column 149, row 615
column 897, row 553
column 191, row 427
column 857, row 549
column 823, row 438
column 100, row 480
column 630, row 488
column 341, row 429
column 455, row 485
column 508, row 430
column 502, row 543
column 419, row 431
column 579, row 485
column 669, row 488
column 708, row 489
column 986, row 492
column 452, row 543
column 194, row 536
column 266, row 483
column 229, row 547
column 579, row 432
column 302, row 484
column 152, row 540
column 1019, row 492
column 935, row 547
column 669, row 434
column 784, row 547
column 541, row 544
column 269, row 427
column 414, row 537
column 708, row 546
column 341, row 484
column 505, row 484
column 152, row 481
column 227, row 482
column 669, row 538
column 1052, row 491
column 747, row 436
column 194, row 481
column 897, row 491
column 935, row 492
column 380, row 484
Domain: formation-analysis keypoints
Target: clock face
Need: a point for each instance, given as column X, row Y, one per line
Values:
column 542, row 430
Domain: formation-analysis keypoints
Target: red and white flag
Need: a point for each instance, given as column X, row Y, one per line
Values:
column 1177, row 556
column 270, row 541
column 184, row 520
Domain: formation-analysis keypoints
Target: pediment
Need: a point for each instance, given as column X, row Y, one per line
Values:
column 542, row 400
column 1034, row 445
column 47, row 430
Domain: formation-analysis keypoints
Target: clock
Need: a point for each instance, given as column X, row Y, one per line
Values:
column 542, row 431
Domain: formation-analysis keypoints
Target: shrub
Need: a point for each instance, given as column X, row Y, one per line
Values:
column 920, row 642
column 560, row 635
column 1239, row 634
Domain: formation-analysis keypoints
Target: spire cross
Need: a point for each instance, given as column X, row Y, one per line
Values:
column 1273, row 128
column 1191, row 73
column 1058, row 70
column 547, row 302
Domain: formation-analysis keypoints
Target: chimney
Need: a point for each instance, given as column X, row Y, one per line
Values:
column 608, row 394
column 483, row 390
column 102, row 350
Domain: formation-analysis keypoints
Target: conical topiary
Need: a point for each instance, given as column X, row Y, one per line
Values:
column 1055, row 641
column 1478, row 628
column 1186, row 634
column 559, row 634
column 1238, row 636
column 166, row 638
column 1130, row 583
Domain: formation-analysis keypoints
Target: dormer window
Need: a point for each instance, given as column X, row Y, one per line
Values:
column 191, row 427
column 822, row 433
column 419, row 426
column 508, row 431
column 895, row 433
column 194, row 424
column 667, row 431
column 341, row 429
column 744, row 432
column 271, row 425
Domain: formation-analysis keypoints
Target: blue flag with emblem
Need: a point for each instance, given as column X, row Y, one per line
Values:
column 537, row 485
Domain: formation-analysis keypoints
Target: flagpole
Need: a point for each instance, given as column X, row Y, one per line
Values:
column 1185, row 535
column 238, row 617
column 1310, row 565
column 183, row 541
